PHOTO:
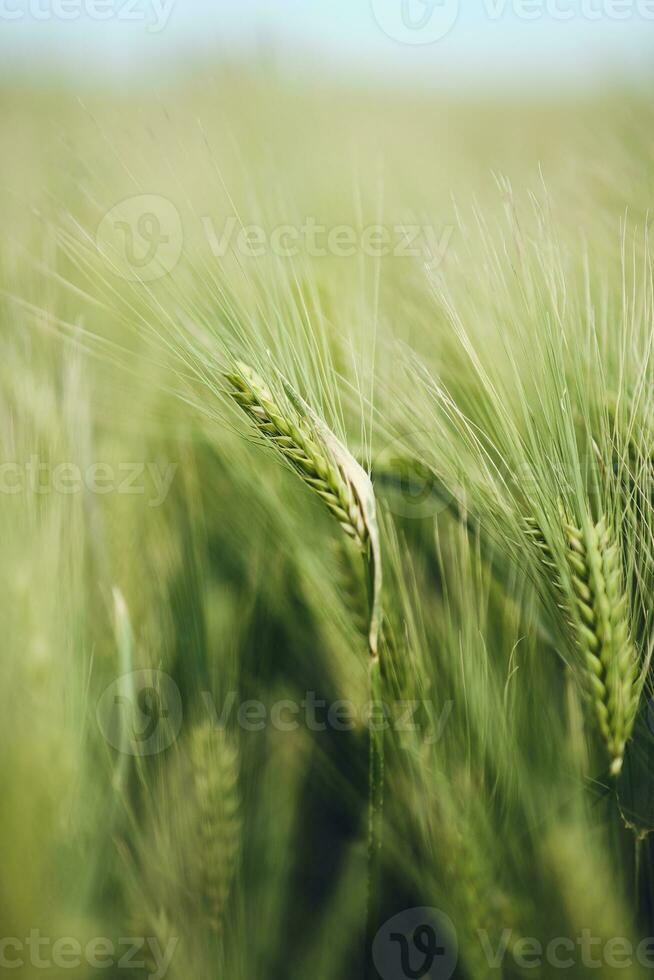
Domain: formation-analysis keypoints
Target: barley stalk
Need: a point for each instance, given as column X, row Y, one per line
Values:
column 214, row 762
column 598, row 606
column 326, row 466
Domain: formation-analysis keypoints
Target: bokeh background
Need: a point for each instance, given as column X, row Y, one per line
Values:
column 486, row 45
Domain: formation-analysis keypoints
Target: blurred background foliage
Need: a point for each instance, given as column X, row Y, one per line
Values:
column 234, row 586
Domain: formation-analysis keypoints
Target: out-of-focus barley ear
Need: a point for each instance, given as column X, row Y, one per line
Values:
column 468, row 875
column 146, row 927
column 597, row 604
column 214, row 762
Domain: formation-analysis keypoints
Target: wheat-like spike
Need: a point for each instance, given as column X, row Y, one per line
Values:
column 480, row 902
column 146, row 926
column 214, row 761
column 467, row 878
column 299, row 444
column 603, row 632
column 599, row 609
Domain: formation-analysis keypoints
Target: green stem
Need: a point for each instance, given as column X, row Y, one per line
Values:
column 375, row 813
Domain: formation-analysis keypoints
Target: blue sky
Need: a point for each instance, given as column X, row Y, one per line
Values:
column 491, row 42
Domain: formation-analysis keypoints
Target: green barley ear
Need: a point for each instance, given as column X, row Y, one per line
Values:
column 299, row 445
column 323, row 463
column 601, row 621
column 214, row 762
column 598, row 606
column 146, row 926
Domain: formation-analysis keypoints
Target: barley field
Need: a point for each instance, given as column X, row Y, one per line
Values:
column 327, row 527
